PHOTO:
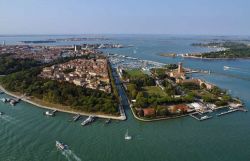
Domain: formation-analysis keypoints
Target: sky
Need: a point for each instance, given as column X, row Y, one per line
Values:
column 184, row 17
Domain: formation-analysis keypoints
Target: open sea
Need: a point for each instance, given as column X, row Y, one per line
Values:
column 27, row 135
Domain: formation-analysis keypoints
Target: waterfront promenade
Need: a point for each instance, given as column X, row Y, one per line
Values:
column 28, row 100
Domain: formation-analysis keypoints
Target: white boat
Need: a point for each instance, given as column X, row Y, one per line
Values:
column 88, row 120
column 48, row 113
column 61, row 146
column 127, row 137
column 1, row 113
column 226, row 67
column 204, row 117
column 3, row 100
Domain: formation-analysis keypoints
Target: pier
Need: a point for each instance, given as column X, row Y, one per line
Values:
column 76, row 117
column 226, row 112
column 201, row 118
column 231, row 111
column 190, row 71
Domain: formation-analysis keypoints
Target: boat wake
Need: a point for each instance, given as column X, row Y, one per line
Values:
column 70, row 155
column 8, row 119
column 235, row 69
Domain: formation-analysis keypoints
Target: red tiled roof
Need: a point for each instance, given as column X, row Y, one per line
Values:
column 149, row 111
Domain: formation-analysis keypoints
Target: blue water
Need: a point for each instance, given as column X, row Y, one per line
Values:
column 27, row 135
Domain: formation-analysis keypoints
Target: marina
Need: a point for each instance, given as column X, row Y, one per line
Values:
column 102, row 138
column 200, row 117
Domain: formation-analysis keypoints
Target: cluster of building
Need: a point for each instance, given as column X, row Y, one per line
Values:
column 47, row 54
column 101, row 46
column 39, row 53
column 90, row 73
column 181, row 77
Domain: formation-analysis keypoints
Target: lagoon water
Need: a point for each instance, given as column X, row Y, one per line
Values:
column 27, row 135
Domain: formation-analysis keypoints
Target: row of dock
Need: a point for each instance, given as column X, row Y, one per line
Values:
column 231, row 111
column 11, row 101
column 76, row 117
column 200, row 117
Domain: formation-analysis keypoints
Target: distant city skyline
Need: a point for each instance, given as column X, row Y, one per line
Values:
column 193, row 17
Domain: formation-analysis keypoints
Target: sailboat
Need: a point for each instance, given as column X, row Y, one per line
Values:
column 226, row 67
column 127, row 137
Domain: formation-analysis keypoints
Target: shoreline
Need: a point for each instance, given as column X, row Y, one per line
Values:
column 149, row 120
column 27, row 100
column 195, row 57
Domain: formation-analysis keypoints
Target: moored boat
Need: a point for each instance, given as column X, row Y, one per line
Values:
column 48, row 113
column 88, row 120
column 107, row 121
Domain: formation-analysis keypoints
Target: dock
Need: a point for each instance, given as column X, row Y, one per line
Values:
column 54, row 112
column 200, row 119
column 227, row 112
column 232, row 110
column 76, row 117
column 243, row 109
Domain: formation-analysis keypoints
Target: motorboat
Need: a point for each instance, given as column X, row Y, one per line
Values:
column 61, row 146
column 48, row 113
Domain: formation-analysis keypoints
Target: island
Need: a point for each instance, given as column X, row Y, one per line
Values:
column 83, row 80
column 62, row 78
column 226, row 50
column 158, row 92
column 168, row 54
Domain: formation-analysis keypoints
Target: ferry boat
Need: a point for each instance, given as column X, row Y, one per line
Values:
column 61, row 146
column 88, row 120
column 127, row 137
